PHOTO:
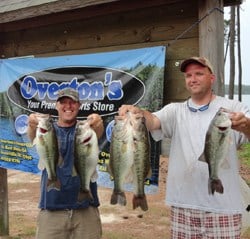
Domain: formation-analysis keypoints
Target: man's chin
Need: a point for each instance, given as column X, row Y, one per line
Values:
column 195, row 91
column 69, row 120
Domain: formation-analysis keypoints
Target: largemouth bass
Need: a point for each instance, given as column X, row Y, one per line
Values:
column 86, row 157
column 47, row 149
column 129, row 158
column 216, row 147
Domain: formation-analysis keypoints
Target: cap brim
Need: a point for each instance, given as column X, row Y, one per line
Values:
column 67, row 96
column 189, row 61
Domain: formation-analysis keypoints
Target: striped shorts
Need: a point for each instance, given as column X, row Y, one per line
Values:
column 197, row 224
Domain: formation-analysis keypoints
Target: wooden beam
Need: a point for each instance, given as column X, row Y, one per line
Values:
column 149, row 26
column 228, row 3
column 13, row 10
column 4, row 212
column 211, row 38
column 44, row 9
column 30, row 18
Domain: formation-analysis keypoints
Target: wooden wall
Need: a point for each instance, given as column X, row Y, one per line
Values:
column 124, row 30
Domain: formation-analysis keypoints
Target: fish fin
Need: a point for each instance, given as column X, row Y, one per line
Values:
column 129, row 177
column 225, row 164
column 94, row 177
column 109, row 170
column 40, row 164
column 34, row 141
column 60, row 161
column 202, row 158
column 149, row 174
column 74, row 172
column 118, row 197
column 140, row 201
column 53, row 184
column 215, row 185
column 84, row 195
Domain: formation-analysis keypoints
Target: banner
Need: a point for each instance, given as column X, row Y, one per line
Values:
column 104, row 82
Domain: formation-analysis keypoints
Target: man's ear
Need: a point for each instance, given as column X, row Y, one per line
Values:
column 213, row 78
column 57, row 105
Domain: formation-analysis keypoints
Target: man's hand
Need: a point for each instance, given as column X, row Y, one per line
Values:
column 96, row 122
column 240, row 123
column 32, row 125
column 129, row 108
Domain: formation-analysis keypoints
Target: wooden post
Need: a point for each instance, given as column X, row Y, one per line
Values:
column 211, row 38
column 4, row 211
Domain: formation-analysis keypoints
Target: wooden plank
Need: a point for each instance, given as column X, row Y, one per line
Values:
column 12, row 5
column 79, row 14
column 21, row 9
column 4, row 212
column 228, row 3
column 91, row 8
column 211, row 39
column 138, row 27
column 22, row 12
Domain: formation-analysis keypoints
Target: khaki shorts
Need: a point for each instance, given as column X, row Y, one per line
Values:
column 69, row 224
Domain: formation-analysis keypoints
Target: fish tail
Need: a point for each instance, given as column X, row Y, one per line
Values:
column 118, row 197
column 53, row 184
column 140, row 201
column 84, row 195
column 215, row 186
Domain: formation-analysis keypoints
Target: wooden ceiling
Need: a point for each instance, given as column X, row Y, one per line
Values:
column 17, row 14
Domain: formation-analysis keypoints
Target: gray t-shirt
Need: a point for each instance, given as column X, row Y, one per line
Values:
column 187, row 182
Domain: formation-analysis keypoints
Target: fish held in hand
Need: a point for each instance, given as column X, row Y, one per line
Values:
column 86, row 157
column 141, row 168
column 129, row 158
column 47, row 149
column 216, row 147
column 121, row 158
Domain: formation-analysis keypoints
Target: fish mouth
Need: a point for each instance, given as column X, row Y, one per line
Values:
column 85, row 141
column 43, row 131
column 222, row 128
